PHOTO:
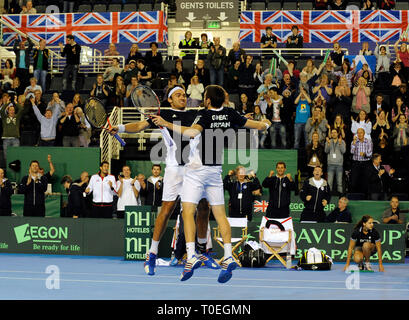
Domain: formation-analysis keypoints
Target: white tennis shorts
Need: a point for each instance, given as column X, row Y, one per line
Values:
column 204, row 182
column 172, row 182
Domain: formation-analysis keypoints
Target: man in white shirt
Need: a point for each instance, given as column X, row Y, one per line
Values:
column 127, row 190
column 102, row 185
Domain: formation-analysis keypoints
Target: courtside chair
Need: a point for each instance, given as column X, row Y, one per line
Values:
column 236, row 224
column 277, row 236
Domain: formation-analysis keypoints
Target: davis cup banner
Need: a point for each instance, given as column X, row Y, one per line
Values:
column 351, row 26
column 90, row 28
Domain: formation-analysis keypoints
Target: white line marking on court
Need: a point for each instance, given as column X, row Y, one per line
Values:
column 202, row 278
column 206, row 285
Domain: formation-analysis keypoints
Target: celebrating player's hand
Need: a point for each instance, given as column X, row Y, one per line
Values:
column 114, row 130
column 324, row 203
column 308, row 198
column 159, row 121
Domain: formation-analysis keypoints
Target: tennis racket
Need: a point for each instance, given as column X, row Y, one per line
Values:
column 147, row 103
column 97, row 116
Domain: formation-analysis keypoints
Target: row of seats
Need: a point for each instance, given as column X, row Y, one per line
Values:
column 112, row 7
column 306, row 5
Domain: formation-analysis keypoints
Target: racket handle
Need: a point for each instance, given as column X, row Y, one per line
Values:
column 122, row 142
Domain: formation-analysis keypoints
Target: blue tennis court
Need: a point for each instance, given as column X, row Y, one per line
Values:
column 23, row 276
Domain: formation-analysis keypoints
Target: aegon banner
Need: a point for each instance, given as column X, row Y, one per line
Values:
column 41, row 235
column 223, row 10
column 138, row 231
column 333, row 238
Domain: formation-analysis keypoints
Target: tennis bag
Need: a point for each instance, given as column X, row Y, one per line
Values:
column 314, row 259
column 252, row 258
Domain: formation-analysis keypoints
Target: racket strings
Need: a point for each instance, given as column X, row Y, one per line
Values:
column 96, row 114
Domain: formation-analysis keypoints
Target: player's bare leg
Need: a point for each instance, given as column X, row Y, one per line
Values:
column 161, row 223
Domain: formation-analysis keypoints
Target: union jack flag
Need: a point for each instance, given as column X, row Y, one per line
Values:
column 91, row 27
column 260, row 206
column 325, row 26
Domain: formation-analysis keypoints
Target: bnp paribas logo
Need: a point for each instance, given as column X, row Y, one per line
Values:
column 26, row 233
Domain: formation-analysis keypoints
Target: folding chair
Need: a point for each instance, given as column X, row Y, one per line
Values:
column 276, row 236
column 234, row 223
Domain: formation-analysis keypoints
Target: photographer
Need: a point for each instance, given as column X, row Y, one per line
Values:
column 280, row 187
column 242, row 189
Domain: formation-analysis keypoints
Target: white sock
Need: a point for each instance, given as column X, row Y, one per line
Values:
column 202, row 240
column 227, row 250
column 154, row 247
column 190, row 248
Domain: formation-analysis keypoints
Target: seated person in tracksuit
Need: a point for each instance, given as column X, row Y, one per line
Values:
column 280, row 187
column 342, row 213
column 241, row 189
column 315, row 194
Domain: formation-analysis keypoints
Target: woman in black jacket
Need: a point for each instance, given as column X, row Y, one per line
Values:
column 315, row 194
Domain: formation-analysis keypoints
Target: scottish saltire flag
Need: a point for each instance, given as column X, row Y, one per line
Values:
column 91, row 27
column 360, row 60
column 351, row 26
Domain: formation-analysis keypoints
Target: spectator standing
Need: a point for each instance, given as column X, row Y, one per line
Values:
column 362, row 121
column 204, row 46
column 241, row 188
column 134, row 83
column 100, row 90
column 8, row 73
column 258, row 136
column 188, row 43
column 56, row 104
column 232, row 80
column 392, row 214
column 30, row 90
column 383, row 61
column 153, row 59
column 69, row 127
column 48, row 123
column 77, row 101
column 75, row 204
column 280, row 186
column 361, row 150
column 40, row 57
column 128, row 191
column 268, row 41
column 400, row 137
column 339, row 4
column 317, row 123
column 302, row 114
column 274, row 115
column 235, row 54
column 217, row 59
column 102, row 185
column 23, row 60
column 295, row 40
column 315, row 153
column 130, row 71
column 342, row 213
column 361, row 99
column 152, row 187
column 246, row 79
column 368, row 5
column 335, row 147
column 85, row 129
column 337, row 55
column 71, row 51
column 11, row 124
column 33, row 186
column 6, row 190
column 378, row 178
column 134, row 54
column 120, row 92
column 315, row 194
column 381, row 129
column 321, row 4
